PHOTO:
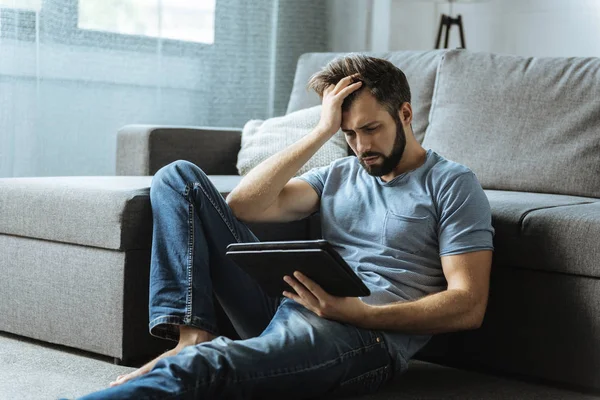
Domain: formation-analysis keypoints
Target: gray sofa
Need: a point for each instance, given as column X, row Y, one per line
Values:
column 75, row 251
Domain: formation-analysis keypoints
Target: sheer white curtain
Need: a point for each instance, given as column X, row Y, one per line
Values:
column 74, row 71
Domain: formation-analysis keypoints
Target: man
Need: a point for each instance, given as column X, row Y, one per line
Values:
column 415, row 227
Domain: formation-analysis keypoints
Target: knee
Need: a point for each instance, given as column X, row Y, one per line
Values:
column 178, row 170
column 177, row 173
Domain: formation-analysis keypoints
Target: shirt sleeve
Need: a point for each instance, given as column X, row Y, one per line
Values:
column 316, row 178
column 465, row 223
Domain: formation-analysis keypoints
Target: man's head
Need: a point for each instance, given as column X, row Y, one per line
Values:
column 375, row 116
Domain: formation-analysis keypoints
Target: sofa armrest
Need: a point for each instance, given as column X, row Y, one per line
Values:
column 144, row 149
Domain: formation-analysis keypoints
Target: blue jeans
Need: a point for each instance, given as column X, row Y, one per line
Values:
column 285, row 351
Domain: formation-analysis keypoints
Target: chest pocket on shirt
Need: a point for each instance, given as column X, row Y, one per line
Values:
column 409, row 234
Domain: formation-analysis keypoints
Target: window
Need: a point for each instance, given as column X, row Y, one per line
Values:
column 18, row 19
column 185, row 27
column 185, row 20
column 31, row 5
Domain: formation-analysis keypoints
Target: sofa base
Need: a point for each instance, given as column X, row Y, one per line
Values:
column 84, row 297
column 530, row 330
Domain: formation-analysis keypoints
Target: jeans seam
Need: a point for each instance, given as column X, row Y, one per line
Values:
column 190, row 263
column 326, row 363
column 219, row 211
column 364, row 376
column 188, row 187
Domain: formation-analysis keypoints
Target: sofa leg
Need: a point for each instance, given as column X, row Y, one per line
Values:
column 117, row 361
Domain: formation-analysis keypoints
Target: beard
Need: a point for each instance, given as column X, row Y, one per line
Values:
column 391, row 161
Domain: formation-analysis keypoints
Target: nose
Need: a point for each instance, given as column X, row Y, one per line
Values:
column 363, row 144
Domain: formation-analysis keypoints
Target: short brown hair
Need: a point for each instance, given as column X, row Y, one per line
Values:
column 386, row 82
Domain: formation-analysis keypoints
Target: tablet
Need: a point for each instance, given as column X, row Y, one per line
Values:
column 269, row 262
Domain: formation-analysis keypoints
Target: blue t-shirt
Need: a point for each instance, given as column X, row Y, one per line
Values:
column 392, row 234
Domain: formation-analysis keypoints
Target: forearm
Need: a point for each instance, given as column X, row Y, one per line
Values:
column 447, row 311
column 262, row 185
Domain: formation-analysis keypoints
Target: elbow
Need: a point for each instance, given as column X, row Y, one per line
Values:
column 471, row 323
column 476, row 317
column 242, row 209
column 475, row 323
column 235, row 206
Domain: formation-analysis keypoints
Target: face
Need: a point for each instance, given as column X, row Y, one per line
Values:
column 377, row 139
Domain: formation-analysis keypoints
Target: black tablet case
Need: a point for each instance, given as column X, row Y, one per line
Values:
column 269, row 262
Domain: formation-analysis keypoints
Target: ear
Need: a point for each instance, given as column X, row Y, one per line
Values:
column 405, row 113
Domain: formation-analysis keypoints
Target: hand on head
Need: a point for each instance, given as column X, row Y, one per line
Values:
column 332, row 99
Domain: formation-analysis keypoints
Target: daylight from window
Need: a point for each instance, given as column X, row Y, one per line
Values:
column 33, row 5
column 186, row 20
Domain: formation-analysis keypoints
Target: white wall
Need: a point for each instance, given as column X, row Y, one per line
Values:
column 413, row 25
column 522, row 27
column 349, row 25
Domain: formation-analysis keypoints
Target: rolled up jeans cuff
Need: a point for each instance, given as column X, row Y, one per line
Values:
column 166, row 326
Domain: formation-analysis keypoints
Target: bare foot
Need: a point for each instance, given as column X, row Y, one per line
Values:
column 187, row 337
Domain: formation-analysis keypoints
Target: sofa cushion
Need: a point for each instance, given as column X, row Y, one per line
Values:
column 564, row 239
column 514, row 246
column 108, row 212
column 225, row 183
column 419, row 66
column 111, row 212
column 525, row 124
column 261, row 139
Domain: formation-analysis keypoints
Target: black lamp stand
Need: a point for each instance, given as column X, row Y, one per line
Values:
column 446, row 22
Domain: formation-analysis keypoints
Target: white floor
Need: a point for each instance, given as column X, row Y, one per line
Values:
column 31, row 370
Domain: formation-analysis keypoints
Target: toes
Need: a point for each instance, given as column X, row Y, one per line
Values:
column 127, row 377
column 120, row 380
